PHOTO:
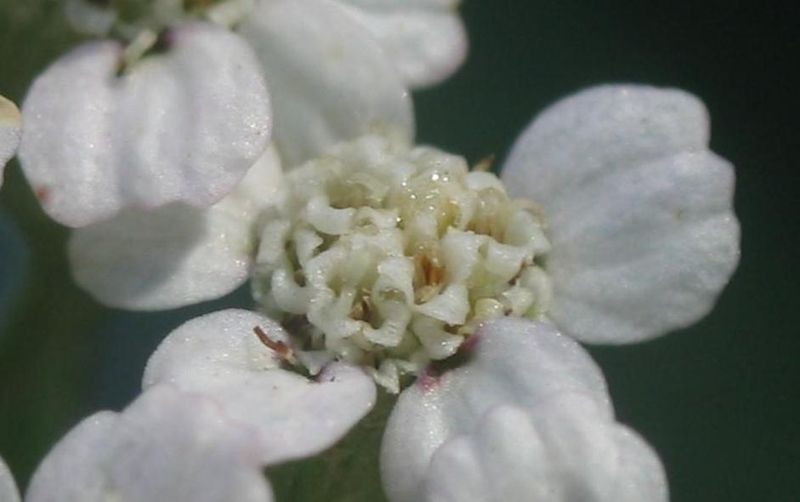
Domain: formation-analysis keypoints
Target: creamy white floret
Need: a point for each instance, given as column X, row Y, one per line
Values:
column 390, row 257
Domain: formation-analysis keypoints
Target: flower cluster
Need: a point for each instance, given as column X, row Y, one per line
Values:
column 207, row 144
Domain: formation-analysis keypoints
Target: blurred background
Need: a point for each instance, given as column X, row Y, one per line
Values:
column 718, row 401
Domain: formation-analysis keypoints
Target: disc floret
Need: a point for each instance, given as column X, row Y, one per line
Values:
column 390, row 257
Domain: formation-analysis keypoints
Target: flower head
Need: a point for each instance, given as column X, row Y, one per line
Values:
column 379, row 255
column 375, row 261
column 630, row 226
column 390, row 257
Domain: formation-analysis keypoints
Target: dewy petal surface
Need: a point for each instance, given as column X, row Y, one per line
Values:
column 10, row 132
column 639, row 211
column 425, row 39
column 557, row 451
column 180, row 126
column 219, row 356
column 329, row 79
column 515, row 362
column 166, row 446
column 8, row 487
column 175, row 255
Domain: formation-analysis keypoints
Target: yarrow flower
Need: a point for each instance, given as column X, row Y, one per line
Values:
column 380, row 260
column 272, row 142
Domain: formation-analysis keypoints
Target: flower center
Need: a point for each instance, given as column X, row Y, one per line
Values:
column 390, row 257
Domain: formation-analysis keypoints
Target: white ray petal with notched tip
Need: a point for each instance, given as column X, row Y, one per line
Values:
column 180, row 126
column 219, row 356
column 513, row 362
column 425, row 39
column 175, row 255
column 559, row 450
column 10, row 132
column 329, row 79
column 639, row 211
column 166, row 446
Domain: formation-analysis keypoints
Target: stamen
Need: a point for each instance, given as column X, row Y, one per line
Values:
column 284, row 351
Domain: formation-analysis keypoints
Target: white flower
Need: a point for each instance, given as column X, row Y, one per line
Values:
column 167, row 446
column 637, row 212
column 393, row 258
column 10, row 131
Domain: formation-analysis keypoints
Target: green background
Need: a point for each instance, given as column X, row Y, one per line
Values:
column 719, row 401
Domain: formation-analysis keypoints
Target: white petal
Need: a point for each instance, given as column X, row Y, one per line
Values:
column 218, row 355
column 10, row 132
column 560, row 450
column 639, row 211
column 87, row 447
column 515, row 362
column 329, row 79
column 174, row 255
column 8, row 487
column 166, row 446
column 182, row 126
column 425, row 39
